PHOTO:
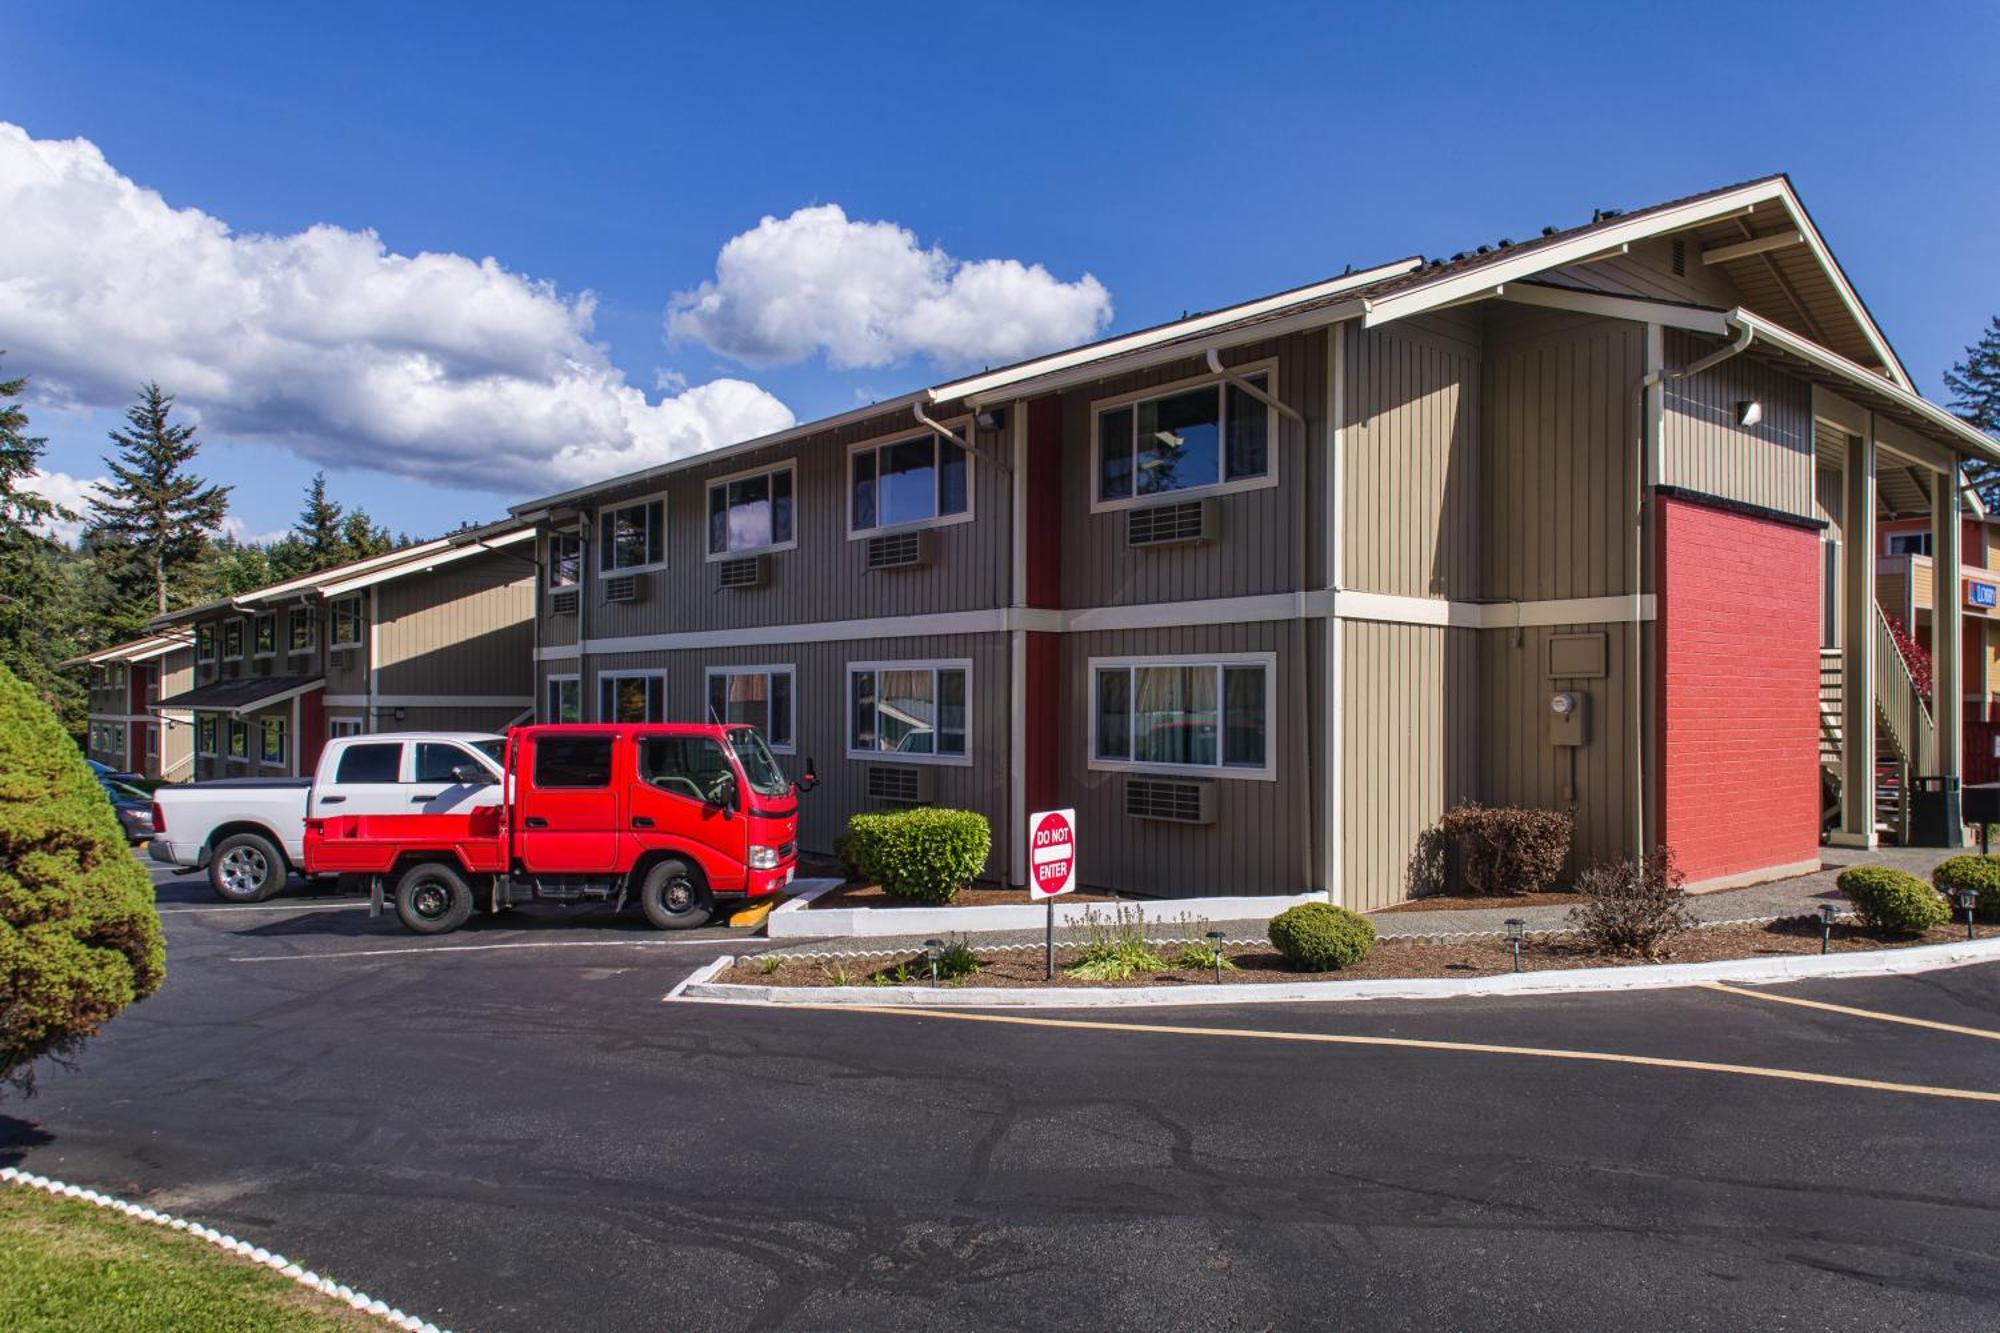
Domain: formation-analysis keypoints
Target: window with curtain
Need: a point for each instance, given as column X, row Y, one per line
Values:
column 909, row 710
column 1194, row 715
column 759, row 696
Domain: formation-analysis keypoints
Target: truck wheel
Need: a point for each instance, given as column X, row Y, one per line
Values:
column 674, row 898
column 433, row 899
column 246, row 868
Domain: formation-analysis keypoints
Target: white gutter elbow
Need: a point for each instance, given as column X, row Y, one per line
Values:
column 1215, row 365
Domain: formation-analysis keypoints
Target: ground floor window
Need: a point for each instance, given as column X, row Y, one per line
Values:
column 204, row 736
column 759, row 696
column 273, row 751
column 565, row 699
column 337, row 727
column 152, row 742
column 239, row 739
column 1178, row 714
column 632, row 697
column 912, row 710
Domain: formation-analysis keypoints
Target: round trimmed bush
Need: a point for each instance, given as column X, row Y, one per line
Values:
column 924, row 854
column 1971, row 872
column 1319, row 937
column 79, row 939
column 1893, row 900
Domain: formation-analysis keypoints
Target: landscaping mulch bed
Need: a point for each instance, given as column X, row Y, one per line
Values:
column 872, row 895
column 1481, row 902
column 1390, row 958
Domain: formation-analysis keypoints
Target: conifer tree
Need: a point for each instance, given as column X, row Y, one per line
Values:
column 321, row 527
column 156, row 515
column 36, row 620
column 20, row 458
column 1975, row 395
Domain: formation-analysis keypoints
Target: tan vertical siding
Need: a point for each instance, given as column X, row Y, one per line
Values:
column 1411, row 475
column 1647, row 269
column 465, row 630
column 1266, row 543
column 1769, row 464
column 1263, row 838
column 1410, row 719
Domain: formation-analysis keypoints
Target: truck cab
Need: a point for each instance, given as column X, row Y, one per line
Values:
column 680, row 818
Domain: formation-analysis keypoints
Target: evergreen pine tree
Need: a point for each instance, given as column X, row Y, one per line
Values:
column 321, row 528
column 20, row 459
column 363, row 538
column 1975, row 395
column 155, row 515
column 36, row 624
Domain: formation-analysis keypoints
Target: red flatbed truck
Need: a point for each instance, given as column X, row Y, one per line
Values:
column 678, row 817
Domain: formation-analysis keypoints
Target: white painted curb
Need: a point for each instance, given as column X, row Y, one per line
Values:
column 1640, row 976
column 706, row 972
column 794, row 923
column 359, row 1300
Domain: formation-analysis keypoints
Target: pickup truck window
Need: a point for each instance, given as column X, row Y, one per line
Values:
column 573, row 761
column 370, row 763
column 436, row 760
column 690, row 766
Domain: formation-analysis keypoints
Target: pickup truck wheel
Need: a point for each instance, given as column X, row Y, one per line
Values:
column 674, row 898
column 433, row 899
column 246, row 868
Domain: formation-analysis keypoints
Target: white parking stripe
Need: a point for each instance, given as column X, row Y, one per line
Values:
column 265, row 907
column 721, row 943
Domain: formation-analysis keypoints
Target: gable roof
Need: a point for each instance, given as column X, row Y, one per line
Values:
column 134, row 650
column 1756, row 232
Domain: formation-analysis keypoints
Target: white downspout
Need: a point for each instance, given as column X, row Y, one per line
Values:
column 1283, row 409
column 1646, row 467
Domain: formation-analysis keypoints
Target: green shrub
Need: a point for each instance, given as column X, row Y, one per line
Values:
column 79, row 939
column 1201, row 956
column 1113, row 948
column 1889, row 899
column 923, row 854
column 1630, row 907
column 1319, row 937
column 1970, row 872
column 1503, row 851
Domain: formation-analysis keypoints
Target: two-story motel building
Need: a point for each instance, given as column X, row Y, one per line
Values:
column 1561, row 522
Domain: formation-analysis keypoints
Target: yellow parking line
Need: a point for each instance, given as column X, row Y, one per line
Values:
column 1419, row 1044
column 1856, row 1013
column 752, row 917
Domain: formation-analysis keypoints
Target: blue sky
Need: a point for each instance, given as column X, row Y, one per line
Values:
column 1182, row 156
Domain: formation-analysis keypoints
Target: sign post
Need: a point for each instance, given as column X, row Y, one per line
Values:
column 1051, row 869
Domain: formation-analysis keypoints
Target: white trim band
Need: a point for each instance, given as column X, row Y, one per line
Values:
column 432, row 701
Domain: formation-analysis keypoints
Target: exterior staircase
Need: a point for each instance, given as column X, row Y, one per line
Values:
column 1905, row 736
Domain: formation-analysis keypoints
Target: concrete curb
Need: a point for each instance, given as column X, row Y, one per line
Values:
column 1794, row 967
column 278, row 1263
column 705, row 973
column 789, row 922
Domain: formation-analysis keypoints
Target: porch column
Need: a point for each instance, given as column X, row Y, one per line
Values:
column 1947, row 626
column 1857, row 644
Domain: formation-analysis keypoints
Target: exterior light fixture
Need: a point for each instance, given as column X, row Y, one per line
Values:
column 1827, row 912
column 934, row 949
column 1515, row 925
column 1749, row 412
column 1215, row 938
column 1968, row 899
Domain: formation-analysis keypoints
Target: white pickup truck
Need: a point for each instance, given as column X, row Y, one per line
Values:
column 249, row 833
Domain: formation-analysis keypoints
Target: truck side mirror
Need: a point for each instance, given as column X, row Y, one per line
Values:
column 808, row 779
column 471, row 775
column 725, row 791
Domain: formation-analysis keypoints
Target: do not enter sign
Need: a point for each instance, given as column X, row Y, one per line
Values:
column 1051, row 853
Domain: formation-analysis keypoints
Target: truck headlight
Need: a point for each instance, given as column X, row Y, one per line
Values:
column 763, row 858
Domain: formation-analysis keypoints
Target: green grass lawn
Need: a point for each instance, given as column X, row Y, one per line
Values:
column 69, row 1265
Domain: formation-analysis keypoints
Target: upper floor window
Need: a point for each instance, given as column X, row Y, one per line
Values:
column 750, row 513
column 347, row 623
column 1909, row 543
column 909, row 710
column 1208, row 437
column 758, row 696
column 565, row 559
column 264, row 636
column 204, row 643
column 632, row 536
column 632, row 697
column 232, row 641
column 303, row 630
column 921, row 480
column 1176, row 714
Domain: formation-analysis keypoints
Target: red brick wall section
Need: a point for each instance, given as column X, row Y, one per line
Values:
column 1739, row 690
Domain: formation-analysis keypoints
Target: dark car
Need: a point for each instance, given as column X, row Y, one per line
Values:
column 133, row 807
column 106, row 773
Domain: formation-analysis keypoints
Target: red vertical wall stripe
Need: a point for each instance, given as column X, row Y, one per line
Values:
column 1042, row 690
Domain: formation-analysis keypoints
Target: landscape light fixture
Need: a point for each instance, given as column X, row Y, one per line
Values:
column 1827, row 912
column 935, row 950
column 1215, row 952
column 1968, row 899
column 1749, row 412
column 1515, row 925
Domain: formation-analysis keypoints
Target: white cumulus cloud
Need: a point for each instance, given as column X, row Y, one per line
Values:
column 434, row 366
column 867, row 294
column 69, row 493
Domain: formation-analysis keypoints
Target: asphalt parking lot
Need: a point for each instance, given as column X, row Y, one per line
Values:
column 509, row 1128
